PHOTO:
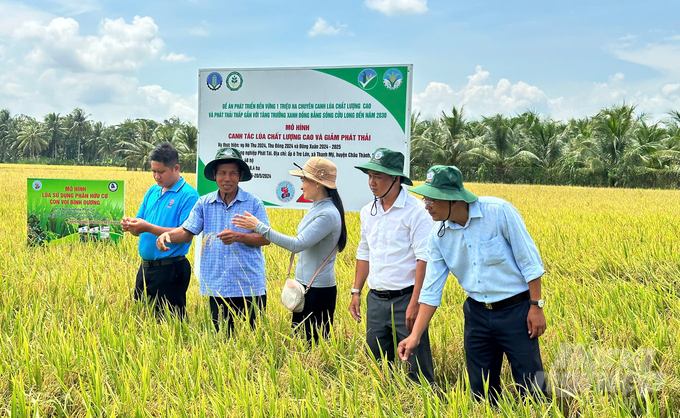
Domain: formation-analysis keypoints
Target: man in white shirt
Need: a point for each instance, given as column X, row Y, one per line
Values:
column 392, row 257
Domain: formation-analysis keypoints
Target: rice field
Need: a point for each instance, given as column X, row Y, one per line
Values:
column 74, row 343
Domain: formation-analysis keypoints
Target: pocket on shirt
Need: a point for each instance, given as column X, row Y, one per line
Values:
column 492, row 251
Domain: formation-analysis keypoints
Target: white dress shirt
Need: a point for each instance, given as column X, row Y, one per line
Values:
column 393, row 241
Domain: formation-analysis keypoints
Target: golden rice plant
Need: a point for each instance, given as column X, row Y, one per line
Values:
column 74, row 343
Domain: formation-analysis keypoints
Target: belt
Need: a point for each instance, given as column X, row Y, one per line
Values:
column 389, row 294
column 512, row 300
column 162, row 261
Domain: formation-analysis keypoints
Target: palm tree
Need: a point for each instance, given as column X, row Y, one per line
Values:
column 580, row 155
column 498, row 146
column 93, row 143
column 32, row 139
column 79, row 127
column 444, row 141
column 613, row 127
column 163, row 133
column 55, row 130
column 137, row 148
column 545, row 139
column 186, row 138
column 8, row 134
column 109, row 146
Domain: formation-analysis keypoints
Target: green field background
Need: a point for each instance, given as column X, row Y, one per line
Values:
column 74, row 343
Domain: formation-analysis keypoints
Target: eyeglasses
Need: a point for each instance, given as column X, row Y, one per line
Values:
column 427, row 201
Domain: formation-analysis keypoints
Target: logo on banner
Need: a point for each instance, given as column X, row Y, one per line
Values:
column 430, row 176
column 392, row 79
column 285, row 191
column 37, row 185
column 234, row 81
column 368, row 79
column 214, row 81
column 113, row 186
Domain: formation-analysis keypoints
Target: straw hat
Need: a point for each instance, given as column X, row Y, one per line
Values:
column 320, row 170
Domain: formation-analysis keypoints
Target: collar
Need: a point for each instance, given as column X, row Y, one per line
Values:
column 321, row 202
column 474, row 211
column 215, row 196
column 178, row 185
column 399, row 202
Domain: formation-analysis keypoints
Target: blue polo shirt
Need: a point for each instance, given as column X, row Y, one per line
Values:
column 170, row 210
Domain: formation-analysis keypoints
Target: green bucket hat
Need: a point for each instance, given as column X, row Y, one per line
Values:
column 384, row 160
column 226, row 155
column 444, row 183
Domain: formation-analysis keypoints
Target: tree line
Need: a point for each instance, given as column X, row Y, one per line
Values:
column 75, row 139
column 616, row 147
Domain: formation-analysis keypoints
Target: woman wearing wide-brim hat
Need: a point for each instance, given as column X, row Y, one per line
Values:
column 320, row 235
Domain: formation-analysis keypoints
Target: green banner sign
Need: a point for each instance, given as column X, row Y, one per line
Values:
column 63, row 210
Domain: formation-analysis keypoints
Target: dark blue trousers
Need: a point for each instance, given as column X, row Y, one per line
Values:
column 491, row 333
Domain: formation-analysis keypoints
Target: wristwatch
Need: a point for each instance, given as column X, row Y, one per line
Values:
column 356, row 291
column 540, row 303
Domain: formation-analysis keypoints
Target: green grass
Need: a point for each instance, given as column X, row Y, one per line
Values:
column 74, row 343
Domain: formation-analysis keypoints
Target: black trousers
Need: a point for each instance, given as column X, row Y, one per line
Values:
column 228, row 308
column 381, row 335
column 165, row 286
column 491, row 333
column 317, row 315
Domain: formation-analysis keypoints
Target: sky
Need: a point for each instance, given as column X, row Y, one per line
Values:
column 140, row 59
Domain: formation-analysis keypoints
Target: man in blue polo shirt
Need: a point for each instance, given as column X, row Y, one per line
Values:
column 232, row 264
column 163, row 277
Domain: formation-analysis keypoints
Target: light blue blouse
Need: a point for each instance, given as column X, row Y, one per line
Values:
column 317, row 235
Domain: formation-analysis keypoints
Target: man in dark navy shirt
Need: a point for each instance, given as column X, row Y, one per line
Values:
column 163, row 277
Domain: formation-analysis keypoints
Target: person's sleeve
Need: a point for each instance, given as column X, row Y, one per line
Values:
column 187, row 206
column 523, row 248
column 142, row 208
column 362, row 248
column 436, row 274
column 315, row 231
column 260, row 213
column 194, row 222
column 421, row 226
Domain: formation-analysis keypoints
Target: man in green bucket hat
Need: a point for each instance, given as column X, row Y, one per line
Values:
column 232, row 264
column 391, row 257
column 484, row 243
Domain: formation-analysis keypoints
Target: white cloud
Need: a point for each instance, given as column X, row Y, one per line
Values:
column 172, row 103
column 118, row 46
column 75, row 7
column 661, row 56
column 172, row 57
column 323, row 28
column 110, row 98
column 398, row 7
column 480, row 98
column 2, row 52
column 11, row 88
column 670, row 89
column 198, row 31
column 12, row 15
